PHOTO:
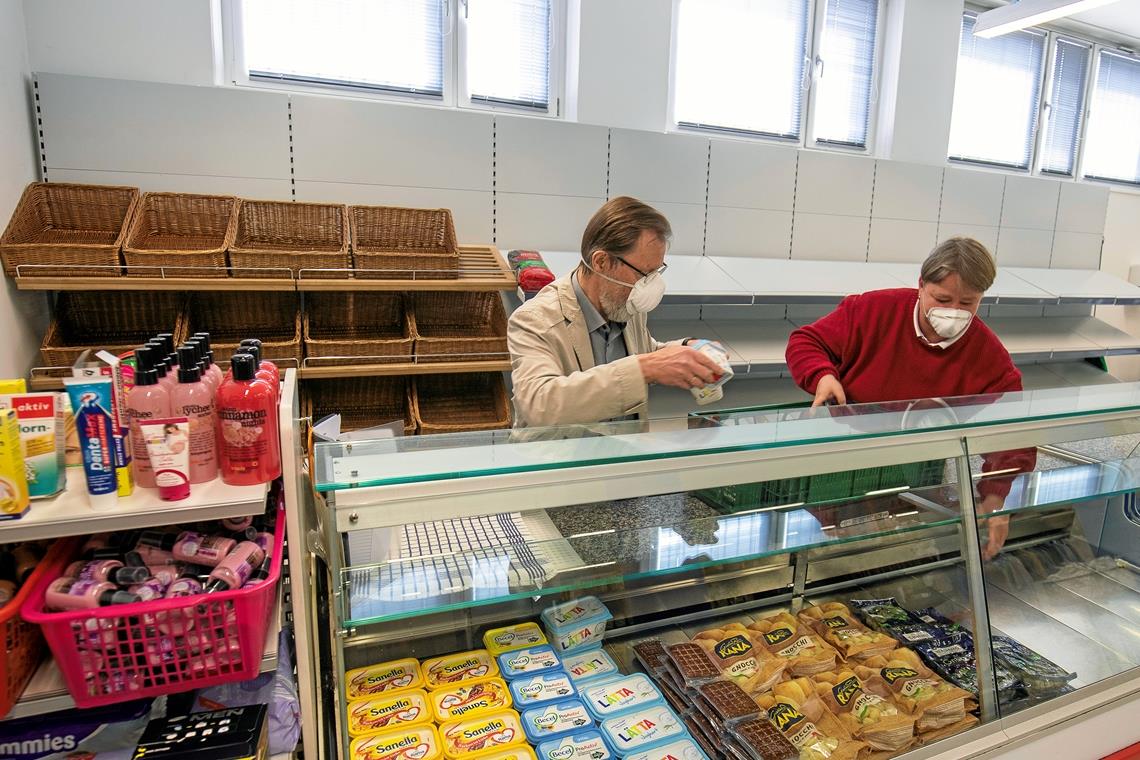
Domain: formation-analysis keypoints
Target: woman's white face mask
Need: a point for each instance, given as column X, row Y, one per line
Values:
column 947, row 322
column 644, row 295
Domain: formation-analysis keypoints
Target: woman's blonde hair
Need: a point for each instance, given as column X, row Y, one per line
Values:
column 965, row 257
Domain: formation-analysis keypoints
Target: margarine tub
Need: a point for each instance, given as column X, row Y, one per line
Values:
column 385, row 713
column 643, row 729
column 584, row 745
column 385, row 678
column 682, row 749
column 587, row 666
column 528, row 662
column 452, row 669
column 411, row 743
column 577, row 625
column 521, row 752
column 513, row 637
column 470, row 700
column 556, row 719
column 480, row 736
column 541, row 689
column 611, row 697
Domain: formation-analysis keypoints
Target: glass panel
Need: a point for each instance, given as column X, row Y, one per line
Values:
column 390, row 46
column 847, row 50
column 996, row 96
column 1063, row 568
column 508, row 52
column 442, row 457
column 740, row 65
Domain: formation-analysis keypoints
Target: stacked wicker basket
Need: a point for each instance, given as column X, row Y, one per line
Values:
column 61, row 230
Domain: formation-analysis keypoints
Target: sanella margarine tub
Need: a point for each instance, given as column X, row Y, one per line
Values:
column 470, row 700
column 385, row 713
column 385, row 678
column 411, row 743
column 453, row 669
column 464, row 739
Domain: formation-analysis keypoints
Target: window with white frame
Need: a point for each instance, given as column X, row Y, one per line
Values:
column 1063, row 106
column 748, row 66
column 1112, row 144
column 478, row 53
column 997, row 96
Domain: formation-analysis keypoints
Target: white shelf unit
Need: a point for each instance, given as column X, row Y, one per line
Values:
column 70, row 513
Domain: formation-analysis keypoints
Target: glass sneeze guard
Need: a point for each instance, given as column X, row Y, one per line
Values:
column 417, row 459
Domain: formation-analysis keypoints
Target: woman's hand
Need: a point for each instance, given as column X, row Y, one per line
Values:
column 827, row 389
column 997, row 528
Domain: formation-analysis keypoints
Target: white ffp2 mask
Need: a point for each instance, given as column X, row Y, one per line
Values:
column 644, row 295
column 949, row 323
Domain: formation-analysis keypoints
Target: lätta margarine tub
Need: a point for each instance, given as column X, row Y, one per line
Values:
column 385, row 678
column 682, row 749
column 584, row 745
column 643, row 729
column 513, row 637
column 527, row 662
column 576, row 625
column 541, row 689
column 470, row 700
column 376, row 714
column 584, row 667
column 558, row 719
column 463, row 739
column 412, row 743
column 459, row 668
column 611, row 697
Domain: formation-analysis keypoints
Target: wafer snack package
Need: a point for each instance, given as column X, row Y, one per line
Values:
column 740, row 659
column 794, row 708
column 916, row 688
column 788, row 639
column 843, row 630
column 872, row 718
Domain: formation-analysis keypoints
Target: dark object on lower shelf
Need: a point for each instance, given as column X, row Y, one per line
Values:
column 272, row 318
column 233, row 734
column 361, row 402
column 115, row 322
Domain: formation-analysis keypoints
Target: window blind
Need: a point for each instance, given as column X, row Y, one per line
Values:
column 740, row 65
column 394, row 45
column 1112, row 141
column 508, row 51
column 1065, row 104
column 996, row 96
column 847, row 59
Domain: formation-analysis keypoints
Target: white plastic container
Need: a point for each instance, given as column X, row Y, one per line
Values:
column 576, row 626
column 707, row 394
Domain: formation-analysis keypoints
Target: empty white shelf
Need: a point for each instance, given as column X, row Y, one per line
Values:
column 1079, row 373
column 760, row 343
column 790, row 281
column 673, row 329
column 688, row 279
column 1080, row 285
column 1008, row 288
column 1061, row 337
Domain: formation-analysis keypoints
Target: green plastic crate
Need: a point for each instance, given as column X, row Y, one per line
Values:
column 740, row 498
column 829, row 486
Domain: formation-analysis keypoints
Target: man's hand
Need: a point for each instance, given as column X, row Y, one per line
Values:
column 827, row 389
column 997, row 528
column 679, row 366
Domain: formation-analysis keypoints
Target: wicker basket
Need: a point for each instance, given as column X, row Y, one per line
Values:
column 460, row 403
column 272, row 318
column 458, row 326
column 185, row 234
column 114, row 321
column 373, row 327
column 392, row 243
column 275, row 236
column 68, row 226
column 361, row 402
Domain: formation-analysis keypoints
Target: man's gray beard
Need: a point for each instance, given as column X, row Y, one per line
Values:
column 614, row 310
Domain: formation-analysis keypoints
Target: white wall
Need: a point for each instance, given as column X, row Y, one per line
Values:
column 22, row 315
column 1122, row 254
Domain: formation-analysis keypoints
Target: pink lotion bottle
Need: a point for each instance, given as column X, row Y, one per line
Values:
column 166, row 378
column 147, row 400
column 193, row 398
column 212, row 369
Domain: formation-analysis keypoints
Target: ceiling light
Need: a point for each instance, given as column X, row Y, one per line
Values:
column 1019, row 15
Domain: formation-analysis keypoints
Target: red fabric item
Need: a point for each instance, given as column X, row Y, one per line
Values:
column 534, row 279
column 869, row 344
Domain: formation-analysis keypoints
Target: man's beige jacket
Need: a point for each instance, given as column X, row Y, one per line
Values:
column 552, row 364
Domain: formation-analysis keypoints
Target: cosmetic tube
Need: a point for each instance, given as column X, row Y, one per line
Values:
column 168, row 446
column 91, row 403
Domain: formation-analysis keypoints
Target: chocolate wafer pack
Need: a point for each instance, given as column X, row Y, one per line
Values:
column 691, row 663
column 726, row 702
column 762, row 741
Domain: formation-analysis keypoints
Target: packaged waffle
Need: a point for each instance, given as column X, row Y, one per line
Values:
column 413, row 743
column 726, row 702
column 933, row 702
column 787, row 638
column 701, row 731
column 385, row 678
column 798, row 713
column 869, row 717
column 732, row 650
column 692, row 664
column 482, row 735
column 651, row 654
column 762, row 741
column 513, row 637
column 470, row 700
column 371, row 716
column 453, row 669
column 840, row 628
column 1040, row 676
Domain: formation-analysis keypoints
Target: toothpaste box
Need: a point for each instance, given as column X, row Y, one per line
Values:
column 108, row 365
column 13, row 481
column 43, row 431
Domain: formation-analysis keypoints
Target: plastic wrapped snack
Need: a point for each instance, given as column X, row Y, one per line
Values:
column 692, row 664
column 739, row 659
column 872, row 718
column 933, row 617
column 917, row 689
column 798, row 713
column 1040, row 676
column 788, row 639
column 952, row 657
column 839, row 627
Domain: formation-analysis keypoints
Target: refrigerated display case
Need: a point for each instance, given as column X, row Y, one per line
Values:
column 687, row 525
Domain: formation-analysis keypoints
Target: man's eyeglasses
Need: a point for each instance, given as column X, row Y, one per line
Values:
column 659, row 270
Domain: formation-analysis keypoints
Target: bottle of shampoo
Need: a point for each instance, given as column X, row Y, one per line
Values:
column 247, row 412
column 147, row 400
column 194, row 400
column 213, row 369
column 266, row 369
column 161, row 361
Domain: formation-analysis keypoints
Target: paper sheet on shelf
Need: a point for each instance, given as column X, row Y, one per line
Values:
column 424, row 564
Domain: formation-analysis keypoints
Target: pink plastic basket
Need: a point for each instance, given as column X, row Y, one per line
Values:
column 131, row 651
